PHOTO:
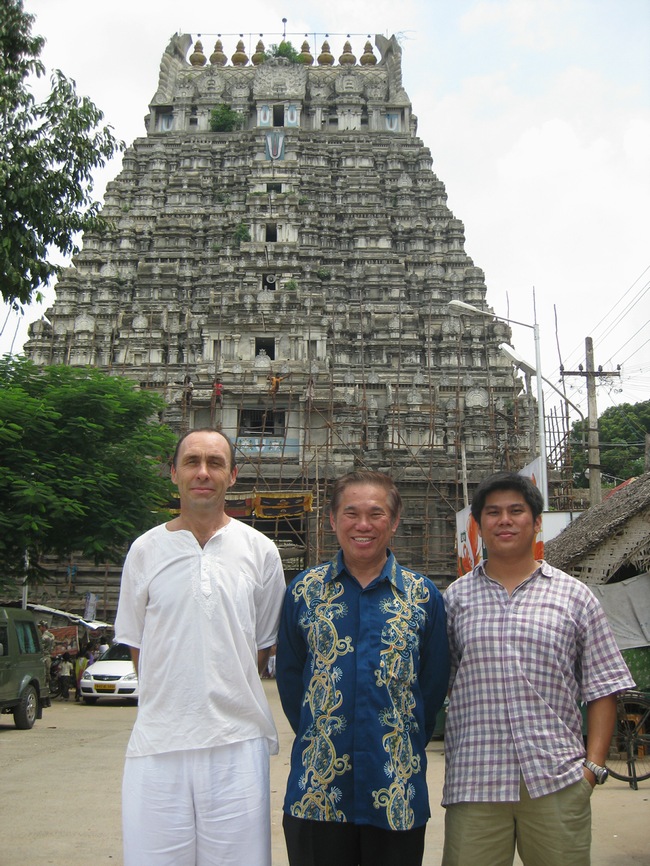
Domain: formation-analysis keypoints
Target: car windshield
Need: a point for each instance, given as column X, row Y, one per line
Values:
column 119, row 652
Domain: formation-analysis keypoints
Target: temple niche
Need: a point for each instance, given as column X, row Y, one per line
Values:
column 288, row 283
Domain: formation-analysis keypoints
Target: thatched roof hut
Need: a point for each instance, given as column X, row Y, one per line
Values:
column 609, row 542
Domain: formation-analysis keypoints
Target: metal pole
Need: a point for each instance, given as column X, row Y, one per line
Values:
column 540, row 416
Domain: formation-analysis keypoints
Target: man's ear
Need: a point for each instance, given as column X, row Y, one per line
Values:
column 233, row 476
column 174, row 476
column 332, row 521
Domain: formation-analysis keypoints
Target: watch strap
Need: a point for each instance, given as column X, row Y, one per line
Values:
column 600, row 773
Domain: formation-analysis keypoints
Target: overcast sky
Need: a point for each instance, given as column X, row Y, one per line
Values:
column 536, row 112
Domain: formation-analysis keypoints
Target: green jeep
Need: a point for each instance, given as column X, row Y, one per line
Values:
column 23, row 688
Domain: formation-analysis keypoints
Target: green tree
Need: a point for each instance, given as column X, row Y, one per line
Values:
column 241, row 233
column 224, row 119
column 47, row 154
column 80, row 464
column 621, row 431
column 284, row 49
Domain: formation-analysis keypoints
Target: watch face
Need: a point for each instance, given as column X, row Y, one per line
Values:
column 601, row 773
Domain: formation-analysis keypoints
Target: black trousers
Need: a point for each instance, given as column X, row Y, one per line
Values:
column 330, row 843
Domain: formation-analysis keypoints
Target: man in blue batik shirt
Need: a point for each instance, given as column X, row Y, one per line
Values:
column 362, row 667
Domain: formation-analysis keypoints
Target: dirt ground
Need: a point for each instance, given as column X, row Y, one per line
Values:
column 60, row 801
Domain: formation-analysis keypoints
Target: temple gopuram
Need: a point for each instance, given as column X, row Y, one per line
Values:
column 280, row 267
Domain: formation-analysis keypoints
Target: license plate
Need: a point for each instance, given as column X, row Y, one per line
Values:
column 104, row 687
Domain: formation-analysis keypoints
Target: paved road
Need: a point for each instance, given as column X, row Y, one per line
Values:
column 60, row 793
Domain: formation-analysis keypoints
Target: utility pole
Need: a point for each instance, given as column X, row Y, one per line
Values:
column 595, row 489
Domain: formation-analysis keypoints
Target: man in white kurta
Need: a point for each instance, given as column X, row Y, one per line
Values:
column 199, row 605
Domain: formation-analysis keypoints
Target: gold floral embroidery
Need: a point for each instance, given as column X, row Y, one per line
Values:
column 396, row 673
column 320, row 761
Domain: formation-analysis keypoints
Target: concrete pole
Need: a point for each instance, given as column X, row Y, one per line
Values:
column 595, row 489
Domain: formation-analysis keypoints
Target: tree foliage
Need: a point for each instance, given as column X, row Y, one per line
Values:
column 621, row 431
column 240, row 234
column 80, row 464
column 47, row 153
column 225, row 119
column 284, row 49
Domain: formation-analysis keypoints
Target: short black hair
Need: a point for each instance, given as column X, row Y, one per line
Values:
column 375, row 479
column 204, row 430
column 507, row 481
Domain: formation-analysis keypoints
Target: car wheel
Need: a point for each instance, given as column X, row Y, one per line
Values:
column 90, row 700
column 25, row 712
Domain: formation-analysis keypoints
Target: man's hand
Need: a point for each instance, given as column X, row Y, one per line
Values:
column 135, row 658
column 263, row 659
column 589, row 776
column 601, row 720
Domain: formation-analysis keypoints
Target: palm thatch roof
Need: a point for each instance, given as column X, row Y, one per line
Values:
column 599, row 523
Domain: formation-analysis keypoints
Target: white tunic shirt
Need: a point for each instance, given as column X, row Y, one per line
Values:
column 198, row 617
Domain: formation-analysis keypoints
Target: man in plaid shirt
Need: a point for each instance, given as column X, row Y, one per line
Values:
column 527, row 643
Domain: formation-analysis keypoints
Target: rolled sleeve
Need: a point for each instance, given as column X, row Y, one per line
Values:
column 602, row 668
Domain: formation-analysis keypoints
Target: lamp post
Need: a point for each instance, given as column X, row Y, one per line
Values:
column 462, row 307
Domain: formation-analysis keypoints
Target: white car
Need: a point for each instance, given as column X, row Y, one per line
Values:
column 112, row 676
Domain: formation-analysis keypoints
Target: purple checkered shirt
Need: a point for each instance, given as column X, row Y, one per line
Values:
column 519, row 666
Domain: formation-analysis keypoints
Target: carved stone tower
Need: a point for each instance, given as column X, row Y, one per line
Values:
column 287, row 281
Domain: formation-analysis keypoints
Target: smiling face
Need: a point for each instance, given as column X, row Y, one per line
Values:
column 507, row 525
column 202, row 472
column 364, row 526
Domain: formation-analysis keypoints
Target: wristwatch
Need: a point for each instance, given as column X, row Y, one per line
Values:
column 601, row 773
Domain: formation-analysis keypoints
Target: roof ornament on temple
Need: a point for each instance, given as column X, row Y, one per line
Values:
column 240, row 58
column 218, row 58
column 259, row 55
column 325, row 58
column 198, row 58
column 347, row 58
column 305, row 56
column 368, row 58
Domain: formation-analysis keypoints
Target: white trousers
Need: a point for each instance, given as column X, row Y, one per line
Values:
column 203, row 807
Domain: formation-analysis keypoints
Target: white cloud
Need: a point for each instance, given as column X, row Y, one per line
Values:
column 533, row 24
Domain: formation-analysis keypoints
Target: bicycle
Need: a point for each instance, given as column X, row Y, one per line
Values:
column 629, row 755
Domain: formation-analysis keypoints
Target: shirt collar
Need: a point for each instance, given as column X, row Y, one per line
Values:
column 544, row 570
column 392, row 570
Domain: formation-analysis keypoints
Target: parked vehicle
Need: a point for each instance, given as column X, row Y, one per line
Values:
column 112, row 676
column 23, row 687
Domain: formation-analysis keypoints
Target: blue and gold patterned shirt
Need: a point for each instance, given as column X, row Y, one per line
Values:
column 362, row 673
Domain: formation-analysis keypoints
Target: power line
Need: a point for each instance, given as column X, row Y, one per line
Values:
column 622, row 315
column 637, row 350
column 629, row 339
column 607, row 315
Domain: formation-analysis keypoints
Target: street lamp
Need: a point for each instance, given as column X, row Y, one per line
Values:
column 462, row 307
column 519, row 362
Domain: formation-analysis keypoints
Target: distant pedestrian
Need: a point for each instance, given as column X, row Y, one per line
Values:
column 48, row 646
column 81, row 663
column 65, row 676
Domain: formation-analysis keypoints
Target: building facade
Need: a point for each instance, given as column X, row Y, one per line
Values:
column 288, row 281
